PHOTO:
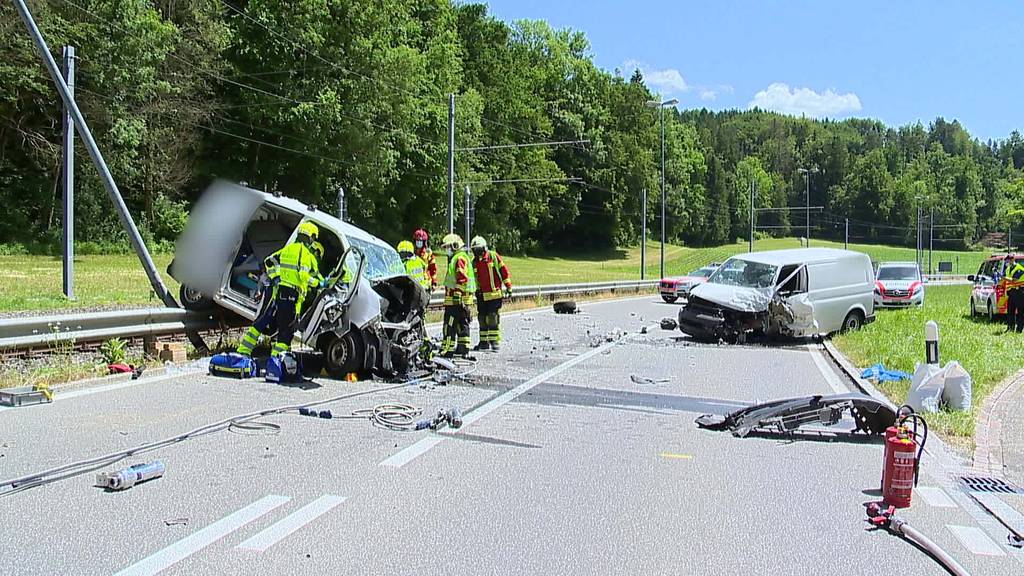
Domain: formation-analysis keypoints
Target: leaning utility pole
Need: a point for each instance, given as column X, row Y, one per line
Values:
column 643, row 237
column 68, row 178
column 451, row 163
column 97, row 158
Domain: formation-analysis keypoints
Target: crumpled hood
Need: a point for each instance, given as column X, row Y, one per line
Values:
column 735, row 297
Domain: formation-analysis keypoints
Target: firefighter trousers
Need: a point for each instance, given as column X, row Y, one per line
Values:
column 456, row 329
column 1015, row 309
column 278, row 317
column 489, row 316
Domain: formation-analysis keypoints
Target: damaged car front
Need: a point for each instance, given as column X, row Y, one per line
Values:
column 745, row 298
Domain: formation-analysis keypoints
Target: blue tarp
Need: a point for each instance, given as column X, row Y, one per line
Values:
column 880, row 373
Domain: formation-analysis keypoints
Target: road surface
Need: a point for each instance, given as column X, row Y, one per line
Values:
column 565, row 466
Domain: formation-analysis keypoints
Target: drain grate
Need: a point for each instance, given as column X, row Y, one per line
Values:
column 988, row 484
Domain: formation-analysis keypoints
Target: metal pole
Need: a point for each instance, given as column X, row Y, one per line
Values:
column 451, row 164
column 919, row 236
column 662, row 110
column 750, row 241
column 643, row 238
column 846, row 242
column 341, row 203
column 807, row 210
column 68, row 178
column 931, row 237
column 468, row 202
column 94, row 152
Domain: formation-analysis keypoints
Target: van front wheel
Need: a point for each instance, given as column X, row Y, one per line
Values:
column 854, row 320
column 343, row 354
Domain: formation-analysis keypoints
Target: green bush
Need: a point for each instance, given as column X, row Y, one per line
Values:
column 114, row 351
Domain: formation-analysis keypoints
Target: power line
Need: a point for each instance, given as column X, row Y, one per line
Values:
column 526, row 145
column 518, row 180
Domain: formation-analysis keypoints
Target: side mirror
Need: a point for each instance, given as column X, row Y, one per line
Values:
column 970, row 278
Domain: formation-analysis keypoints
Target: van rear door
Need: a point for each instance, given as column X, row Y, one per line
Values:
column 205, row 251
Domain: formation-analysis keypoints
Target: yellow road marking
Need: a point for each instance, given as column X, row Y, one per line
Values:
column 676, row 456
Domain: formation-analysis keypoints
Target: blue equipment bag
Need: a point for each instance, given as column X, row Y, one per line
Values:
column 283, row 368
column 233, row 364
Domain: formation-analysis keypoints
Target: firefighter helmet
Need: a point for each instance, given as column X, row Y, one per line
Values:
column 309, row 229
column 453, row 241
column 478, row 243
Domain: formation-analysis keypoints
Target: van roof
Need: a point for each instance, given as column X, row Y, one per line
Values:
column 324, row 218
column 801, row 255
column 910, row 263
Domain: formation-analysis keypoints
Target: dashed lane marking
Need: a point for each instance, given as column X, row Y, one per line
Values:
column 935, row 496
column 289, row 524
column 975, row 540
column 189, row 545
column 676, row 456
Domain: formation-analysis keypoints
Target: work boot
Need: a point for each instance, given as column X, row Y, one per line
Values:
column 462, row 350
column 483, row 345
column 495, row 346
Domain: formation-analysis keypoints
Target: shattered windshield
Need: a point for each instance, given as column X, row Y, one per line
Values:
column 381, row 261
column 702, row 272
column 736, row 272
column 897, row 273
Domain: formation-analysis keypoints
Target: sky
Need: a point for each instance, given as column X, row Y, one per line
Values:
column 898, row 61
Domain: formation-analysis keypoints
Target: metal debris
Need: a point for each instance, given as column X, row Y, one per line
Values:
column 645, row 380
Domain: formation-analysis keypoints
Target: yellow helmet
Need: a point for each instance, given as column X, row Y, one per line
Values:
column 318, row 249
column 405, row 246
column 309, row 229
column 453, row 241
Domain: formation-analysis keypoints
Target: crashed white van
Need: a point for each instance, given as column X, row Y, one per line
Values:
column 793, row 293
column 368, row 318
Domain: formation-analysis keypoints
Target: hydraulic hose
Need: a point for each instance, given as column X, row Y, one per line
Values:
column 900, row 526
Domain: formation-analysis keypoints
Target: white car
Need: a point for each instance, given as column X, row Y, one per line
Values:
column 782, row 292
column 898, row 285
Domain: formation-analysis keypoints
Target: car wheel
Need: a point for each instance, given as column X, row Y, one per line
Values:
column 991, row 312
column 974, row 309
column 853, row 321
column 193, row 299
column 669, row 299
column 343, row 354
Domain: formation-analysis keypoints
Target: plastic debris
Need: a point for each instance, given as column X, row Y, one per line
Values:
column 931, row 386
column 645, row 380
column 880, row 373
column 565, row 307
column 669, row 324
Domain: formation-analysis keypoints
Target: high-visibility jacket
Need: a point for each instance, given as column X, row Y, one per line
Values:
column 427, row 255
column 1015, row 276
column 459, row 282
column 294, row 266
column 491, row 275
column 417, row 270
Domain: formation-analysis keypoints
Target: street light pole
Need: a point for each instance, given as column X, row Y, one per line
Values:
column 807, row 207
column 661, row 110
column 643, row 238
column 750, row 242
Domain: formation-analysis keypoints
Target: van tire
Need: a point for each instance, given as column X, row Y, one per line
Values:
column 853, row 322
column 193, row 299
column 669, row 299
column 343, row 354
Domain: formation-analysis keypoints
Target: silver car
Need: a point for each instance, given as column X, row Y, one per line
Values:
column 369, row 315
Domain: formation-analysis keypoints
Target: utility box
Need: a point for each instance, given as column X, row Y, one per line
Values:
column 172, row 352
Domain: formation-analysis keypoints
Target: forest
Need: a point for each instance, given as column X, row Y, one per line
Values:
column 309, row 96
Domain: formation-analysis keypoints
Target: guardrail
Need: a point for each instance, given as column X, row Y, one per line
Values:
column 83, row 327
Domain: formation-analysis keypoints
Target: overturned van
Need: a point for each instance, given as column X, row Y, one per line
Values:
column 789, row 293
column 369, row 317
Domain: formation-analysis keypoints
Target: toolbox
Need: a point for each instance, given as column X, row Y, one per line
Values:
column 24, row 396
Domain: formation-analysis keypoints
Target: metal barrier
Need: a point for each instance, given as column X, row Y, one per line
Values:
column 81, row 327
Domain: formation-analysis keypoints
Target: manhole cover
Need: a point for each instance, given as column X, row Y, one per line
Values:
column 988, row 484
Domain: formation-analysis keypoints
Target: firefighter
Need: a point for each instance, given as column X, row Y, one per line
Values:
column 421, row 240
column 491, row 274
column 415, row 267
column 1014, row 295
column 459, row 286
column 292, row 271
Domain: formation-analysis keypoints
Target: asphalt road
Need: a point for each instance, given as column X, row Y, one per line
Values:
column 565, row 466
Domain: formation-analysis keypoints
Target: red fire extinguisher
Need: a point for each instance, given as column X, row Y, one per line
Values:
column 904, row 444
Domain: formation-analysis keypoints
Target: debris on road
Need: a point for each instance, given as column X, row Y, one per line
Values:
column 128, row 477
column 565, row 307
column 879, row 373
column 669, row 324
column 783, row 416
column 176, row 522
column 646, row 380
column 26, row 395
column 932, row 386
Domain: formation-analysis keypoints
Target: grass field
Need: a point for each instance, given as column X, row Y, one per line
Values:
column 34, row 282
column 896, row 339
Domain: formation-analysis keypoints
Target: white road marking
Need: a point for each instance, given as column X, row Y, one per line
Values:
column 975, row 540
column 935, row 496
column 191, row 544
column 830, row 376
column 410, row 453
column 58, row 395
column 289, row 524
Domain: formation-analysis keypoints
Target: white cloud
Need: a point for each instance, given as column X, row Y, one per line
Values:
column 667, row 81
column 708, row 94
column 780, row 98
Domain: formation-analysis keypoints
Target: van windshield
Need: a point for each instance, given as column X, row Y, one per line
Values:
column 897, row 273
column 381, row 261
column 736, row 272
